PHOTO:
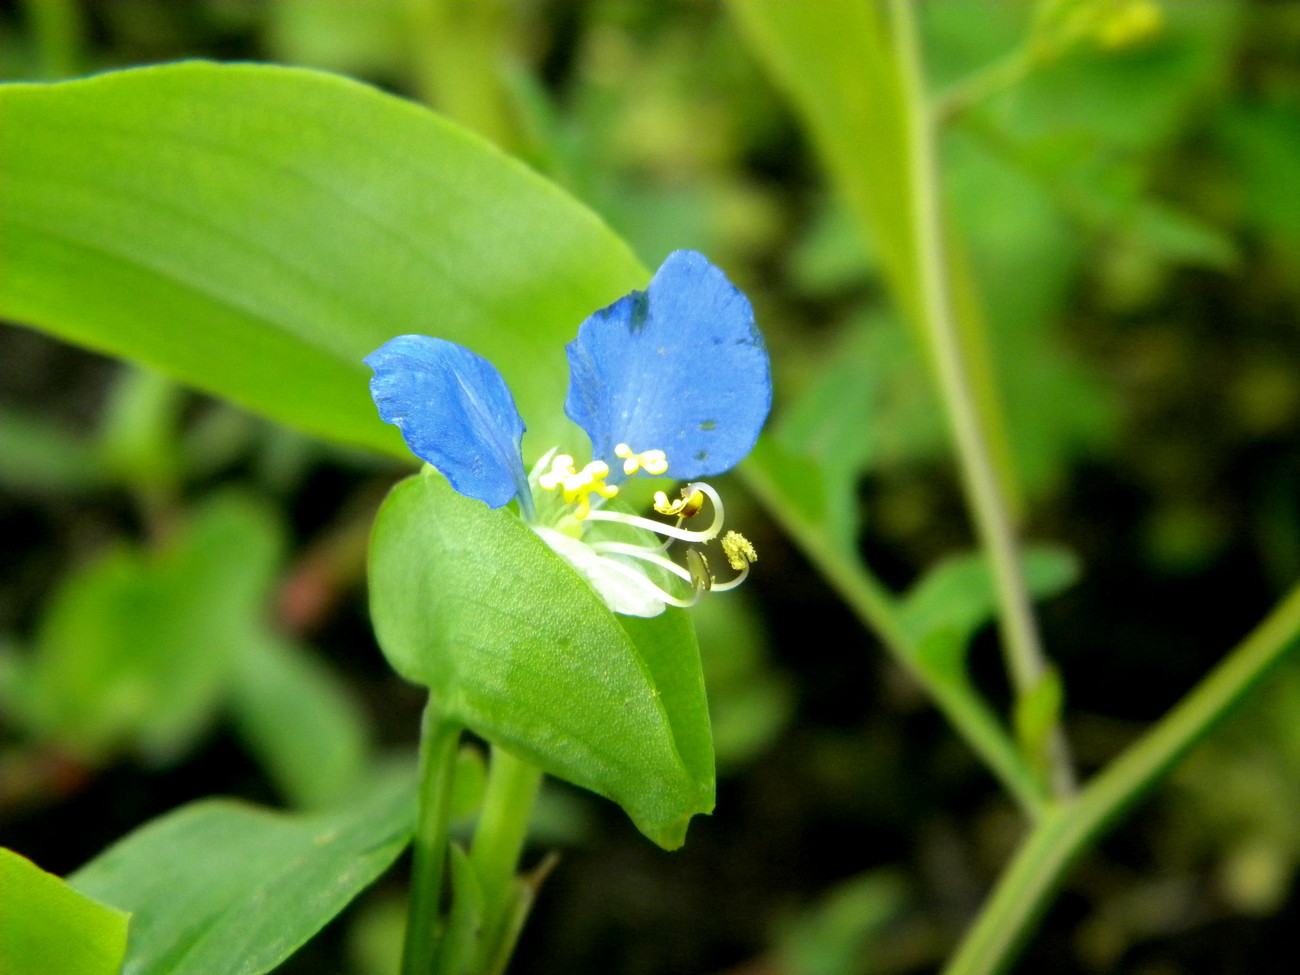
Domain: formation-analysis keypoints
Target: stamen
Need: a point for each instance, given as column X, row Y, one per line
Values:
column 654, row 462
column 578, row 486
column 645, row 555
column 561, row 468
column 646, row 585
column 672, row 531
column 688, row 505
column 701, row 577
column 740, row 554
column 738, row 549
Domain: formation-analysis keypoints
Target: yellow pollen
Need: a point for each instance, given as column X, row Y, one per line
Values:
column 578, row 486
column 686, row 506
column 653, row 462
column 738, row 550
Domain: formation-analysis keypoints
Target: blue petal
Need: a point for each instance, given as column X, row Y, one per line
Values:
column 678, row 367
column 455, row 411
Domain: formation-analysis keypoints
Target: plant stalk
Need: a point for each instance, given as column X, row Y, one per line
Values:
column 438, row 740
column 1022, row 649
column 1039, row 868
column 512, row 789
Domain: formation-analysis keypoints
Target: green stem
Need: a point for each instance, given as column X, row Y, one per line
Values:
column 876, row 607
column 57, row 30
column 1003, row 74
column 1039, row 868
column 438, row 740
column 512, row 789
column 1025, row 660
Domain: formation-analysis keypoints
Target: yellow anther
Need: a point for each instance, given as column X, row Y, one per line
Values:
column 561, row 470
column 578, row 486
column 738, row 550
column 687, row 506
column 654, row 462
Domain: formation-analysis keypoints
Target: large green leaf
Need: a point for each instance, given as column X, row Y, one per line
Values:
column 47, row 928
column 514, row 644
column 256, row 230
column 223, row 888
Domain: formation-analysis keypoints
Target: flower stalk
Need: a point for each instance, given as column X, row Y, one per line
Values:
column 1026, row 662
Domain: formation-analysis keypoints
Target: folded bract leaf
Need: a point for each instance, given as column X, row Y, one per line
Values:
column 511, row 642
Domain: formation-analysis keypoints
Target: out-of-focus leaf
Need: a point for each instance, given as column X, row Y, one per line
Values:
column 1104, row 106
column 515, row 645
column 1263, row 141
column 255, row 231
column 338, row 35
column 837, row 64
column 48, row 928
column 138, row 438
column 223, row 888
column 1027, row 257
column 136, row 649
column 40, row 455
column 957, row 596
column 835, row 935
column 834, row 424
column 748, row 702
column 300, row 720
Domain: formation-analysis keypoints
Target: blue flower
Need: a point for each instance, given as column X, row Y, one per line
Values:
column 671, row 381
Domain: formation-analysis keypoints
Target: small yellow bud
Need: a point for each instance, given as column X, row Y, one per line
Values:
column 1134, row 22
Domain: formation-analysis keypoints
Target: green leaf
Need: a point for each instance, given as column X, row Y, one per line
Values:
column 837, row 63
column 300, row 720
column 516, row 646
column 834, row 425
column 137, row 648
column 223, row 888
column 256, row 230
column 836, row 933
column 957, row 597
column 40, row 455
column 47, row 928
column 940, row 615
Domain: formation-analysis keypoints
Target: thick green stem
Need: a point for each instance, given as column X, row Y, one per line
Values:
column 1039, row 868
column 438, row 741
column 498, row 843
column 1026, row 663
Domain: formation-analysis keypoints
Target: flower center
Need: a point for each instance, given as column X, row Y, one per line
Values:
column 578, row 486
column 628, row 562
